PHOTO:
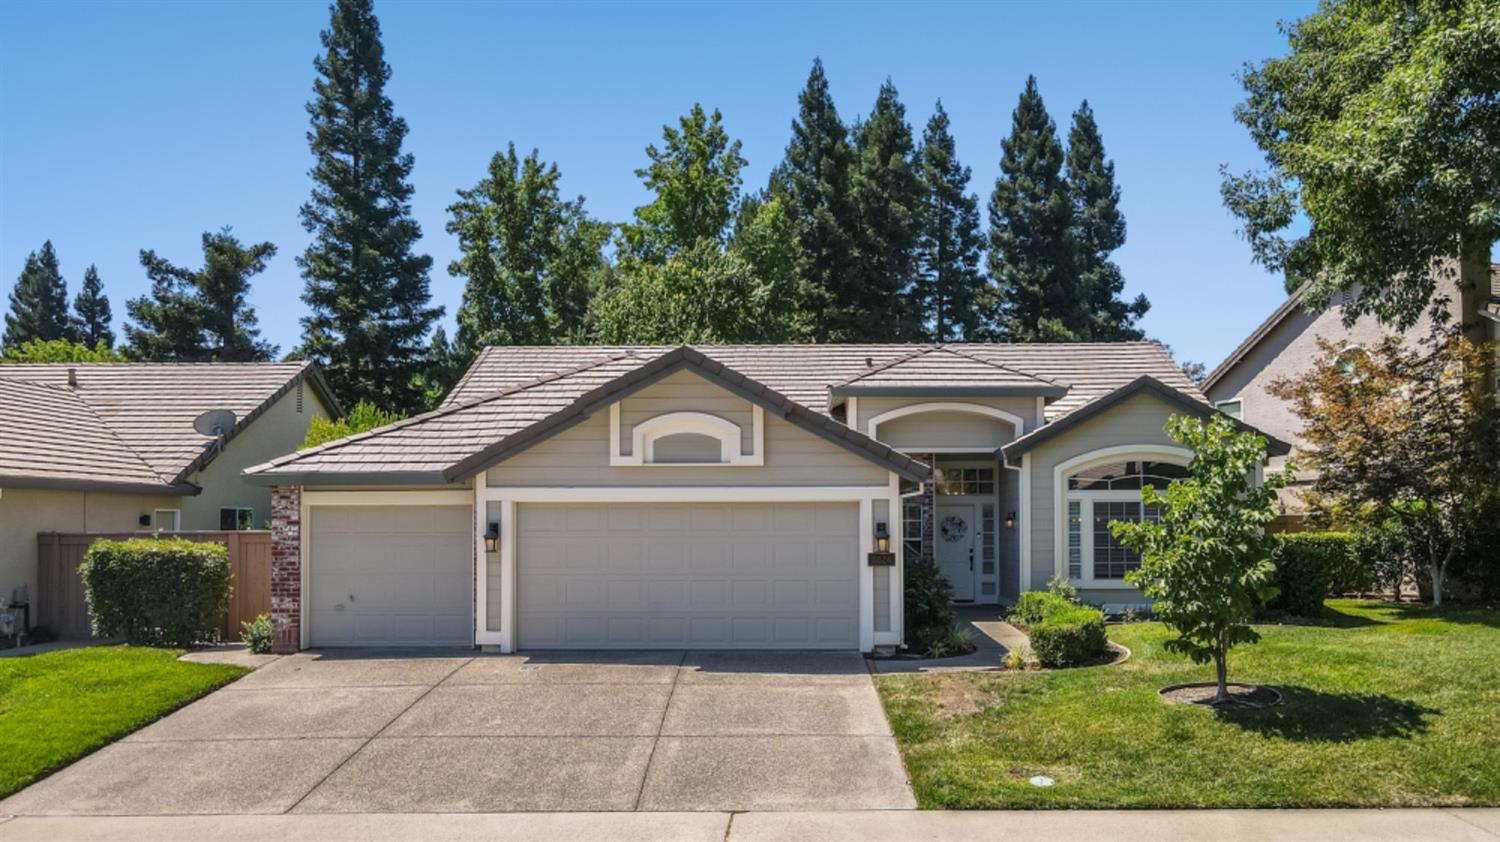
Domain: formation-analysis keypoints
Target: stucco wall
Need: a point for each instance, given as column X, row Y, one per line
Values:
column 579, row 456
column 868, row 407
column 1137, row 421
column 25, row 512
column 278, row 431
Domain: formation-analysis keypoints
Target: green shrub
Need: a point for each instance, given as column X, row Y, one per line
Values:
column 929, row 606
column 1310, row 566
column 1069, row 638
column 1060, row 586
column 1035, row 606
column 257, row 634
column 157, row 592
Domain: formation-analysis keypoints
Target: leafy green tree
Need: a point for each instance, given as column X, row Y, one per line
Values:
column 1031, row 222
column 39, row 303
column 696, row 179
column 1206, row 558
column 1380, row 129
column 528, row 256
column 949, row 286
column 1406, row 434
column 887, row 191
column 1098, row 229
column 814, row 179
column 444, row 365
column 59, row 351
column 366, row 289
column 91, row 315
column 200, row 315
column 362, row 417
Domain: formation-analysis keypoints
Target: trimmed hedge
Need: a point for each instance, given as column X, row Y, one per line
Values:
column 1035, row 606
column 156, row 592
column 1069, row 638
column 1310, row 566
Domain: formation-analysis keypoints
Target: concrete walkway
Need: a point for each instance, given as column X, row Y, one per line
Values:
column 1476, row 825
column 984, row 625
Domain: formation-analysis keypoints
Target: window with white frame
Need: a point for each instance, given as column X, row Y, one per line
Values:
column 911, row 528
column 1234, row 409
column 167, row 520
column 960, row 481
column 236, row 519
column 1099, row 495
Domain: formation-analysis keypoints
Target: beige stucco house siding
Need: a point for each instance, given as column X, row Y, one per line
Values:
column 868, row 407
column 1136, row 421
column 24, row 512
column 277, row 431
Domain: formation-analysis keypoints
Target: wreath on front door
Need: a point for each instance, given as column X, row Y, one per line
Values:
column 954, row 528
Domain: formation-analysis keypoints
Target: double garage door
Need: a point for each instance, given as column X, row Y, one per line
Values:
column 595, row 576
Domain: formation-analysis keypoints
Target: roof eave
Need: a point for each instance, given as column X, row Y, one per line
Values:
column 326, row 478
column 161, row 489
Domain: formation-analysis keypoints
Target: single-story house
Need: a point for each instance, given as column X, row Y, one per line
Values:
column 111, row 447
column 1285, row 345
column 722, row 496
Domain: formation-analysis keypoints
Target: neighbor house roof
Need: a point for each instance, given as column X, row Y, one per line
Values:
column 1144, row 384
column 810, row 374
column 461, row 438
column 147, row 408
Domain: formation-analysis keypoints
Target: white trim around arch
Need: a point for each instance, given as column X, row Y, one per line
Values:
column 872, row 426
column 1083, row 461
column 644, row 435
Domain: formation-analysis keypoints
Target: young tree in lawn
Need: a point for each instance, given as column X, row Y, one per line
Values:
column 887, row 190
column 1098, row 230
column 39, row 302
column 91, row 315
column 200, row 315
column 1404, row 436
column 1031, row 222
column 1380, row 129
column 528, row 256
column 814, row 181
column 949, row 285
column 1205, row 558
column 365, row 287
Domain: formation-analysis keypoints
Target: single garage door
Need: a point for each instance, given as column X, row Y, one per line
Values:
column 706, row 576
column 397, row 576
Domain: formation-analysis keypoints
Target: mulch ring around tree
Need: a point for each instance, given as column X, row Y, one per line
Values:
column 1247, row 696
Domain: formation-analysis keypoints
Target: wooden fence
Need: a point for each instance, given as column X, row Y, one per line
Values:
column 60, row 606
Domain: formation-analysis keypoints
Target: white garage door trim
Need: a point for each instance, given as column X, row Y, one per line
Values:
column 312, row 500
column 509, row 497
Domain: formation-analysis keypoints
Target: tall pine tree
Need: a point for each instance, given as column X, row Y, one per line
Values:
column 1031, row 220
column 1098, row 229
column 367, row 290
column 200, row 315
column 887, row 191
column 814, row 181
column 39, row 303
column 91, row 315
column 529, row 257
column 949, row 287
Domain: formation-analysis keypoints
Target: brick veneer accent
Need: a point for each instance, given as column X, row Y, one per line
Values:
column 286, row 568
column 929, row 511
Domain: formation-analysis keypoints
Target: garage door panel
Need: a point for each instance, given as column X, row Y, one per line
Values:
column 688, row 575
column 393, row 576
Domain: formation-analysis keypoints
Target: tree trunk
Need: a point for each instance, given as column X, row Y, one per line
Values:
column 1221, row 671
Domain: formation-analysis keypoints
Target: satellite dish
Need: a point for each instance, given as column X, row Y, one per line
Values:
column 215, row 422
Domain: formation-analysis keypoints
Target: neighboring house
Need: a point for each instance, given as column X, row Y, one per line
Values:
column 1285, row 345
column 722, row 496
column 110, row 447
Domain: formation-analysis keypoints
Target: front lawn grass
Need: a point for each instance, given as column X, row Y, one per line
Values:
column 58, row 706
column 1385, row 705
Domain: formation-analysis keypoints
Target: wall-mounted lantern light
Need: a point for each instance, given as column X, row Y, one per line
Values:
column 491, row 537
column 1010, row 520
column 882, row 538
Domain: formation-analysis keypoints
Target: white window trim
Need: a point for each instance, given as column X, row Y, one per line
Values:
column 1219, row 405
column 644, row 435
column 1061, row 495
column 510, row 497
column 176, row 520
column 1018, row 425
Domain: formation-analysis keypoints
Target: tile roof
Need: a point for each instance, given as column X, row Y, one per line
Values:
column 460, row 438
column 149, row 407
column 806, row 373
column 946, row 368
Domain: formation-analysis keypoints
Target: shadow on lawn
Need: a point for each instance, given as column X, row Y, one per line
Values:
column 1308, row 715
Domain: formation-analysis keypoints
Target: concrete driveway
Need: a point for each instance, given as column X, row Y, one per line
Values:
column 404, row 732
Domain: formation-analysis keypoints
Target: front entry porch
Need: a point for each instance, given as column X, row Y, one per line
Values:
column 965, row 522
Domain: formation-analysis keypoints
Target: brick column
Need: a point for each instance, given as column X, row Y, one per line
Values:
column 929, row 512
column 286, row 568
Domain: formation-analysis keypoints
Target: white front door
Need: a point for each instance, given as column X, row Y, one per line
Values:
column 955, row 547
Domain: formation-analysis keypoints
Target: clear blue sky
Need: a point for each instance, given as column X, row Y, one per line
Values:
column 128, row 125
